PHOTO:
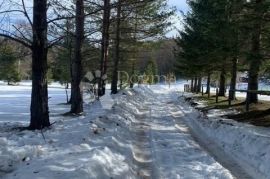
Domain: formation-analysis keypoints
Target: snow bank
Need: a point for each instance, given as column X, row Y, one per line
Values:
column 10, row 156
column 97, row 145
column 248, row 145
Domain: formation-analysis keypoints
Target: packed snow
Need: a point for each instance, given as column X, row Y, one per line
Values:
column 146, row 132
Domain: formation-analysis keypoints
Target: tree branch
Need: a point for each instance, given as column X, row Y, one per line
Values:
column 16, row 40
column 26, row 14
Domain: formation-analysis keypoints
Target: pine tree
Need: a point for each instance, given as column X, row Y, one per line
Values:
column 8, row 65
column 210, row 42
column 136, row 22
column 77, row 68
column 151, row 71
column 257, row 11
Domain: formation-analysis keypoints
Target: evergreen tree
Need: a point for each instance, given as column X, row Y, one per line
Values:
column 151, row 71
column 8, row 65
column 256, row 15
column 210, row 42
column 76, row 65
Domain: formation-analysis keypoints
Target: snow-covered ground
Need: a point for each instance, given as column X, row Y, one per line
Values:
column 15, row 101
column 243, row 86
column 140, row 133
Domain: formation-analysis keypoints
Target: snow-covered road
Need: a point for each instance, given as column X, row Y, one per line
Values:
column 175, row 153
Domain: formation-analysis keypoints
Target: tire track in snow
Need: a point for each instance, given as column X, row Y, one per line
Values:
column 149, row 142
column 142, row 154
column 180, row 132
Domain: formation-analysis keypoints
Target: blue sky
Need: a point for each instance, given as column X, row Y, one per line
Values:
column 181, row 5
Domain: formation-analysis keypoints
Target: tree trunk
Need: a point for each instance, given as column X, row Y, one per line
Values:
column 117, row 50
column 191, row 85
column 131, row 85
column 233, row 79
column 70, row 55
column 76, row 91
column 253, row 81
column 199, row 85
column 71, row 74
column 208, row 84
column 39, row 100
column 255, row 55
column 66, row 89
column 195, row 85
column 104, row 46
column 222, row 83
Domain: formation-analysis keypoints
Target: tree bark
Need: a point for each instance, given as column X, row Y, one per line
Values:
column 76, row 91
column 131, row 85
column 117, row 49
column 208, row 83
column 233, row 79
column 39, row 100
column 70, row 55
column 255, row 55
column 66, row 89
column 222, row 83
column 195, row 85
column 192, row 85
column 199, row 85
column 104, row 46
column 253, row 81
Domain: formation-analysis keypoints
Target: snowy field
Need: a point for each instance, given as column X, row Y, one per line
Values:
column 15, row 101
column 148, row 132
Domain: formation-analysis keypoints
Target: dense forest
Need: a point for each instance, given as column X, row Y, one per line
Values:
column 220, row 39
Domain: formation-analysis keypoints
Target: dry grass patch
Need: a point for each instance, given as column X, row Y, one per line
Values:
column 259, row 114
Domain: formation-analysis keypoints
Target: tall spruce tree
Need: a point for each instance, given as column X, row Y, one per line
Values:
column 256, row 15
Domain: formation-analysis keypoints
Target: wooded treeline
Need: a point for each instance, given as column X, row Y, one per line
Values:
column 222, row 37
column 80, row 35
